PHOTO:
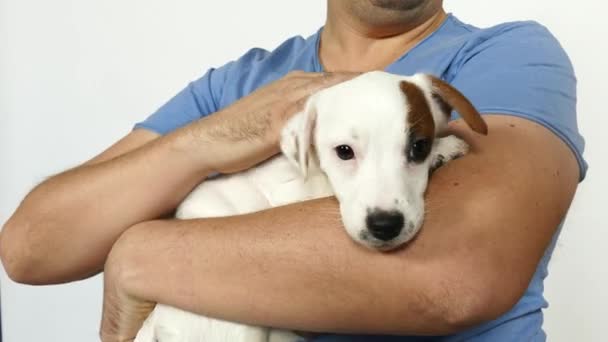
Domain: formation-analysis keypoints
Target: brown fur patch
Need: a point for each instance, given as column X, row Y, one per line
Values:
column 420, row 118
column 450, row 98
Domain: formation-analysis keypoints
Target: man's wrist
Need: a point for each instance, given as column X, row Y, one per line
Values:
column 188, row 144
column 223, row 143
column 124, row 310
column 126, row 264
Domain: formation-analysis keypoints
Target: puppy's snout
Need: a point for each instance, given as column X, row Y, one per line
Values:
column 385, row 225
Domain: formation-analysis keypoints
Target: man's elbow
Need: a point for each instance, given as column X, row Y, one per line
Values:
column 16, row 254
column 17, row 270
column 464, row 307
column 473, row 308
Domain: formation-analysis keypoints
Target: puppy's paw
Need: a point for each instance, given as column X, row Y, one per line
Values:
column 446, row 149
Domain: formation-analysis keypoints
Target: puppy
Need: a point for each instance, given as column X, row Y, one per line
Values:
column 371, row 141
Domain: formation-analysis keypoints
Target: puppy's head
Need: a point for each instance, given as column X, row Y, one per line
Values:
column 373, row 137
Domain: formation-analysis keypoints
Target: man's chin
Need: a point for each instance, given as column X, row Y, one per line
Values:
column 398, row 5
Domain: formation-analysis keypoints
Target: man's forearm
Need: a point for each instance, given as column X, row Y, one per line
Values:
column 293, row 267
column 64, row 229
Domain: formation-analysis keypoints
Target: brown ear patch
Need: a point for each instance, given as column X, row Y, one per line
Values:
column 449, row 97
column 420, row 119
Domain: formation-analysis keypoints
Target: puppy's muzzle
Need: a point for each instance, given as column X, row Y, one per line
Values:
column 385, row 225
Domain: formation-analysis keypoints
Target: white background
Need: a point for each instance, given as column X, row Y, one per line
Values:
column 76, row 74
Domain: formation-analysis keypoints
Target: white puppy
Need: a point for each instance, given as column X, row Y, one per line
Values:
column 371, row 142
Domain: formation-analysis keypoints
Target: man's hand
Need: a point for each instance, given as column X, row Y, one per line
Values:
column 251, row 127
column 123, row 314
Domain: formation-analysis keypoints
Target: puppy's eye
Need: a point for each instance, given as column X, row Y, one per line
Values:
column 345, row 152
column 419, row 149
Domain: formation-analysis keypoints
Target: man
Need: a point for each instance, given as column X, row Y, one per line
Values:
column 475, row 271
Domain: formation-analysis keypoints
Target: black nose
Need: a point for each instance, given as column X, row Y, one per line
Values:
column 385, row 225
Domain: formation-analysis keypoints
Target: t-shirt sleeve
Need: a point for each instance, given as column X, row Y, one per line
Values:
column 198, row 99
column 523, row 71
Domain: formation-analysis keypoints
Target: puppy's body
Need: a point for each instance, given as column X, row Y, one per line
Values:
column 273, row 183
column 169, row 324
column 302, row 173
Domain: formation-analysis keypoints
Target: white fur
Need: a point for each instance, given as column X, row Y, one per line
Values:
column 368, row 113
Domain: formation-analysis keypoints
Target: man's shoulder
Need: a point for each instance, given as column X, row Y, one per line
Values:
column 518, row 34
column 457, row 45
column 516, row 45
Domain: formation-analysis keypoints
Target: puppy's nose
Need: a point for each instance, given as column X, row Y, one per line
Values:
column 385, row 225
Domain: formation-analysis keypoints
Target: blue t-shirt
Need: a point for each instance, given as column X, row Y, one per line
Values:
column 516, row 69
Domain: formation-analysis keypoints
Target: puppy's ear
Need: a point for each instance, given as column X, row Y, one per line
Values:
column 296, row 136
column 450, row 98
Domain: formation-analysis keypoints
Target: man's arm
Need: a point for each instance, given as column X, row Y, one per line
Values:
column 64, row 229
column 490, row 216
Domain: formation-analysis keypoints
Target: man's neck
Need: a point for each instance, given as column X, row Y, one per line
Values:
column 348, row 45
